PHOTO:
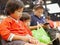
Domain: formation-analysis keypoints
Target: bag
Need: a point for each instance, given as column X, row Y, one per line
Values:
column 52, row 33
column 41, row 35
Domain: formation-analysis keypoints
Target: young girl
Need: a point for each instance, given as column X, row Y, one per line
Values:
column 26, row 18
column 12, row 30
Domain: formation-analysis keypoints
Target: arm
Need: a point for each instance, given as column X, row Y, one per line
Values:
column 7, row 35
column 17, row 37
column 33, row 27
column 36, row 26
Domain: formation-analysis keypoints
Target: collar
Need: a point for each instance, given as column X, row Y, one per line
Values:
column 14, row 19
column 38, row 17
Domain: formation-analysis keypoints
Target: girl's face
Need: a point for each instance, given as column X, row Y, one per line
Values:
column 27, row 22
column 17, row 14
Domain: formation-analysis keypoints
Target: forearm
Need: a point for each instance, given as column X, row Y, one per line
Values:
column 36, row 26
column 33, row 27
column 17, row 37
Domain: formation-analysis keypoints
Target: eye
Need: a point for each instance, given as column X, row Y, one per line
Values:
column 19, row 11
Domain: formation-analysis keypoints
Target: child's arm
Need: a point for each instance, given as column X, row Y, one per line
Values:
column 33, row 27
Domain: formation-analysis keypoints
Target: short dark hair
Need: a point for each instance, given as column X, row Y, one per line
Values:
column 25, row 16
column 38, row 7
column 13, row 5
column 48, row 17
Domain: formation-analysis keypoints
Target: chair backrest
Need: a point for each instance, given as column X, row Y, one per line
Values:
column 0, row 41
column 56, row 42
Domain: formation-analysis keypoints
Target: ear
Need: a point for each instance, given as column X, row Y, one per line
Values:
column 33, row 10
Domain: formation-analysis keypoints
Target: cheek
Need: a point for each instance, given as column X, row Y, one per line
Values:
column 19, row 15
column 28, row 24
column 38, row 12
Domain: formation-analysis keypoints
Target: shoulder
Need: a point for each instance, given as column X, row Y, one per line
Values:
column 6, row 20
column 33, row 17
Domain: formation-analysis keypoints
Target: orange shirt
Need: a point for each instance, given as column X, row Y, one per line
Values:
column 10, row 25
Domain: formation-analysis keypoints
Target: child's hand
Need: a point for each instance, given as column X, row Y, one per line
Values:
column 34, row 41
column 41, row 44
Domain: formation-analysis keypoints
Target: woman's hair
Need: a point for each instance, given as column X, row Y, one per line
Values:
column 25, row 16
column 13, row 5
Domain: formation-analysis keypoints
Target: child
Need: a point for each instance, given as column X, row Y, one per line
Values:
column 26, row 18
column 51, row 23
column 12, row 30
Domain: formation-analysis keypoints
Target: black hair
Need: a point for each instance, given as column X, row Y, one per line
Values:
column 48, row 17
column 38, row 7
column 25, row 16
column 13, row 5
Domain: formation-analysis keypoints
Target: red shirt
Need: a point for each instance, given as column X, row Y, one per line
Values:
column 10, row 25
column 51, row 23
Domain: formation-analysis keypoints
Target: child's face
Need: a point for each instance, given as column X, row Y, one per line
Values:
column 18, row 13
column 27, row 22
column 38, row 12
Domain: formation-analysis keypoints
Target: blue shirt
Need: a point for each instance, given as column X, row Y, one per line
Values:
column 35, row 19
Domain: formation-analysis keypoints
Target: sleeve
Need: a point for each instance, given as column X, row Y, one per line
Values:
column 5, row 32
column 33, row 21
